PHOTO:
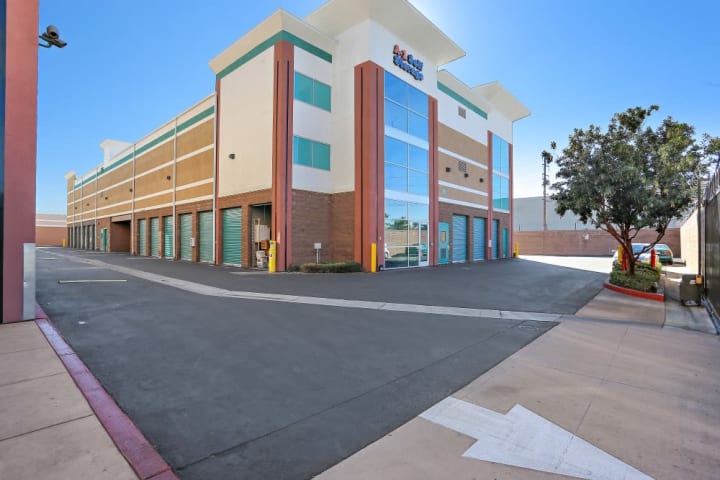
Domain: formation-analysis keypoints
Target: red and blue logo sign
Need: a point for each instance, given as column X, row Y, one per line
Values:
column 407, row 62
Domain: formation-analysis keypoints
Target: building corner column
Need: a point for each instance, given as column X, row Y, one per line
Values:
column 434, row 178
column 283, row 88
column 490, row 225
column 369, row 163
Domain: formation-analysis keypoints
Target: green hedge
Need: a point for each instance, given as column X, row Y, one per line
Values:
column 645, row 279
column 342, row 267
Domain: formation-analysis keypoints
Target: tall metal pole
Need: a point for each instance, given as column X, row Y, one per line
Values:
column 545, row 182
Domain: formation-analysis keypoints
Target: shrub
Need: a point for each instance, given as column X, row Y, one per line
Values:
column 341, row 267
column 645, row 279
column 293, row 268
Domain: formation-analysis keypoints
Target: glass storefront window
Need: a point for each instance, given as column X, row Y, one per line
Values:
column 406, row 234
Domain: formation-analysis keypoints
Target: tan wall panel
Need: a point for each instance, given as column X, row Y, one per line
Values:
column 117, row 194
column 153, row 201
column 196, row 168
column 71, row 183
column 115, row 210
column 456, row 176
column 154, row 182
column 448, row 192
column 154, row 158
column 199, row 191
column 116, row 175
column 198, row 137
column 455, row 141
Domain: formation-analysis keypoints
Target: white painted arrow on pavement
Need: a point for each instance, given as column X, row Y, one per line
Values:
column 524, row 439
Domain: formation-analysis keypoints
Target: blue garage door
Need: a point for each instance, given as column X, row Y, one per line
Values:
column 459, row 238
column 479, row 225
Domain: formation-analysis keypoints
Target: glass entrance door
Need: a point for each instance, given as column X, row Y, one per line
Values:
column 423, row 243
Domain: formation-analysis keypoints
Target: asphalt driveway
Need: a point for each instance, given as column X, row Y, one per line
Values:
column 235, row 388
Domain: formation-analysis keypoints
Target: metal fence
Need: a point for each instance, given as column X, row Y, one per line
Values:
column 710, row 241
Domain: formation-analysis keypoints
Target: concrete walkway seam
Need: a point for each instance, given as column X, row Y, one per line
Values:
column 132, row 444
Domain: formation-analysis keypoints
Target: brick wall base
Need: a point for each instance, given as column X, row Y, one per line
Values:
column 586, row 242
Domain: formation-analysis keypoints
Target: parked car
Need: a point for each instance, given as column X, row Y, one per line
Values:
column 664, row 254
column 637, row 248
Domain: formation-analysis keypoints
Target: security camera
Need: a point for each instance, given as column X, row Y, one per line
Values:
column 52, row 32
column 52, row 37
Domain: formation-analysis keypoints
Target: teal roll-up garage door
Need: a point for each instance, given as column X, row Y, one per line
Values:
column 205, row 236
column 168, row 237
column 505, row 240
column 479, row 225
column 155, row 237
column 495, row 239
column 142, row 236
column 459, row 238
column 232, row 236
column 186, row 236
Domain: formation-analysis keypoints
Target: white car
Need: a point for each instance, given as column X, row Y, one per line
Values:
column 637, row 247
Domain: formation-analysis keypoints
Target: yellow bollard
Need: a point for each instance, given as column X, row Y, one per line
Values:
column 271, row 256
column 64, row 243
column 373, row 257
column 516, row 254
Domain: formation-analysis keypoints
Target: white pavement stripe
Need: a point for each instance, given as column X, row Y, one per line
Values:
column 207, row 290
column 524, row 439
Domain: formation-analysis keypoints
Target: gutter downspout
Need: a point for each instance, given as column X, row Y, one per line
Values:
column 132, row 206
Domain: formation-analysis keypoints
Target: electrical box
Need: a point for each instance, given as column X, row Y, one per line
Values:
column 261, row 232
column 689, row 290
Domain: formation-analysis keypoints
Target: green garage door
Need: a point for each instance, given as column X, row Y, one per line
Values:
column 205, row 236
column 155, row 237
column 169, row 237
column 142, row 236
column 232, row 236
column 459, row 238
column 479, row 225
column 186, row 236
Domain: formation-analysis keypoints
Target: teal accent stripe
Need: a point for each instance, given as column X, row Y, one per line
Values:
column 445, row 89
column 281, row 35
column 183, row 126
column 196, row 119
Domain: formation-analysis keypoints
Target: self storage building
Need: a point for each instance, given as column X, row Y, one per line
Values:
column 326, row 134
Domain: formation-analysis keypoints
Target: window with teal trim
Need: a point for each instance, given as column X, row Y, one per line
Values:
column 501, row 192
column 311, row 91
column 311, row 154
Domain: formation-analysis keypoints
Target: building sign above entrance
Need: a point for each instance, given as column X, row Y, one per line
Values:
column 408, row 63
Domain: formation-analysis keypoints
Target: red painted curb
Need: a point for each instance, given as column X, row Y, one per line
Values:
column 658, row 297
column 142, row 457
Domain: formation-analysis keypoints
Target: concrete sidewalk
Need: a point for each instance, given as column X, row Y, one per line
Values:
column 628, row 399
column 47, row 428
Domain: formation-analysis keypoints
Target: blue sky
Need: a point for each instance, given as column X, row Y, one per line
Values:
column 130, row 66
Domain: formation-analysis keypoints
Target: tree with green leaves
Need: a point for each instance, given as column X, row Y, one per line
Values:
column 630, row 177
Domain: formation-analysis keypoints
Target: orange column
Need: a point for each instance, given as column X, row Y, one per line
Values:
column 434, row 187
column 369, row 163
column 282, row 152
column 489, row 229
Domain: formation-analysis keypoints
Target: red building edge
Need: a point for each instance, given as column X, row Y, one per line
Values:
column 18, row 131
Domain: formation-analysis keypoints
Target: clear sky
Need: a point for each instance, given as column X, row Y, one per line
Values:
column 132, row 65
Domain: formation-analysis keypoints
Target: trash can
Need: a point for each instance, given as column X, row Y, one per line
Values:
column 689, row 290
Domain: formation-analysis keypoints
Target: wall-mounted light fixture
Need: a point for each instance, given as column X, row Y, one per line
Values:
column 130, row 190
column 447, row 169
column 467, row 174
column 231, row 156
column 168, row 177
column 482, row 179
